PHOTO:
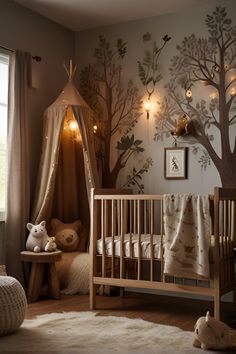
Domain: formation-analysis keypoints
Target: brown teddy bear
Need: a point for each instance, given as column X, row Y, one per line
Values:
column 210, row 333
column 69, row 236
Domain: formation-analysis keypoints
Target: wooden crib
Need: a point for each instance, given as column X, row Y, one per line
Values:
column 127, row 245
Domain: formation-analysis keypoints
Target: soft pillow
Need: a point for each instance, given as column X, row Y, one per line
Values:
column 69, row 236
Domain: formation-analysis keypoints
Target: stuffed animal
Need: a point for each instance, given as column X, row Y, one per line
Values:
column 37, row 238
column 51, row 245
column 182, row 126
column 210, row 333
column 69, row 236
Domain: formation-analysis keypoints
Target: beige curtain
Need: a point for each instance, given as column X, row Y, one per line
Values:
column 18, row 183
column 53, row 122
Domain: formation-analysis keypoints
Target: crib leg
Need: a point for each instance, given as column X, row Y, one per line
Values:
column 92, row 297
column 217, row 307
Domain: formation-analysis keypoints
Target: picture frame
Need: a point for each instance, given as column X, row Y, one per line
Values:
column 175, row 162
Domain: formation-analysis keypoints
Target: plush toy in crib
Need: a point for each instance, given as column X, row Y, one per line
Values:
column 210, row 333
column 37, row 238
column 51, row 245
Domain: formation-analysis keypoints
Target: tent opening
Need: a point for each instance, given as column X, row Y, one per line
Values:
column 70, row 199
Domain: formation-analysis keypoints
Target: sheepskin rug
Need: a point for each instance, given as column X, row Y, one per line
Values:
column 87, row 332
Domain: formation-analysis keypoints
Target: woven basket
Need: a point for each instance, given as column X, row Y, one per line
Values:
column 13, row 305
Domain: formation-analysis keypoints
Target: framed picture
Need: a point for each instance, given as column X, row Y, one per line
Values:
column 175, row 163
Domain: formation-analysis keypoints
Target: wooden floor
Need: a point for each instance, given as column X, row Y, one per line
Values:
column 180, row 312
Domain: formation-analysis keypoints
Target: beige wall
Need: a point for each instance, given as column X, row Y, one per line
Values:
column 177, row 25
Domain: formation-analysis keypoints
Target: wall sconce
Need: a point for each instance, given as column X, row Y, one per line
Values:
column 147, row 106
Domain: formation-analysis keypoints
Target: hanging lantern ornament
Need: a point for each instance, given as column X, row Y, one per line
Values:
column 188, row 93
column 216, row 68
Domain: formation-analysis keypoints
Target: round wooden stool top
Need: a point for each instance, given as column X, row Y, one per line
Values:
column 41, row 257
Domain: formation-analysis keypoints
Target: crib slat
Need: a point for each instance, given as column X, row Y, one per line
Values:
column 103, row 223
column 113, row 238
column 162, row 241
column 121, row 239
column 139, row 240
column 151, row 238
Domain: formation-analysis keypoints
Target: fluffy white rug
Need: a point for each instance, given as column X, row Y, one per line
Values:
column 86, row 332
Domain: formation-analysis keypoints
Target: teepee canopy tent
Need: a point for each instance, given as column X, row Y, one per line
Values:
column 68, row 107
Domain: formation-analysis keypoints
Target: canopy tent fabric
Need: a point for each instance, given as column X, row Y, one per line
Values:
column 69, row 99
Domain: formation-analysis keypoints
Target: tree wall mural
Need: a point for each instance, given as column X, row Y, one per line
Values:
column 117, row 107
column 205, row 65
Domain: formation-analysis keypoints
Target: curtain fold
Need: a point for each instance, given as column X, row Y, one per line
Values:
column 18, row 178
column 84, row 118
column 53, row 121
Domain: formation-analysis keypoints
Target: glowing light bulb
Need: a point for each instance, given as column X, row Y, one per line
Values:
column 73, row 125
column 233, row 91
column 95, row 128
column 188, row 93
column 147, row 106
column 213, row 95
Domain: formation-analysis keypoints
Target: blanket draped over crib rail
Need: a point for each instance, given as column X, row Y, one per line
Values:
column 187, row 235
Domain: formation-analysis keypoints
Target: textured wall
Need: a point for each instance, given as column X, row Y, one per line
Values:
column 177, row 25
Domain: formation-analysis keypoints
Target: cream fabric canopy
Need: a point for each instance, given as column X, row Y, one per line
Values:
column 53, row 127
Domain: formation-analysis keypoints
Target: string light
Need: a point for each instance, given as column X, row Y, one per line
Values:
column 188, row 93
column 233, row 91
column 213, row 95
column 95, row 129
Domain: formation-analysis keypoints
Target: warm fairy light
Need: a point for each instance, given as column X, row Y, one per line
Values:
column 188, row 93
column 73, row 125
column 233, row 91
column 213, row 95
column 95, row 129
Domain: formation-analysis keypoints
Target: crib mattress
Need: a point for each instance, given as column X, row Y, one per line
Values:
column 132, row 250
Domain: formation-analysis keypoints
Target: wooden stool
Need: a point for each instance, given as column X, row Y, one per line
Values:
column 43, row 266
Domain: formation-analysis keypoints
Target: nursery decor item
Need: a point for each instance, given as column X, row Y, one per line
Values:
column 42, row 269
column 77, row 281
column 12, row 305
column 210, row 333
column 175, row 163
column 51, row 245
column 37, row 238
column 87, row 332
column 69, row 236
column 53, row 175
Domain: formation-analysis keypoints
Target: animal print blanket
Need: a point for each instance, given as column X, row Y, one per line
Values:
column 187, row 235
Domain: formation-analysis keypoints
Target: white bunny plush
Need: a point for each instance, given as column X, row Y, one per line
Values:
column 37, row 238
